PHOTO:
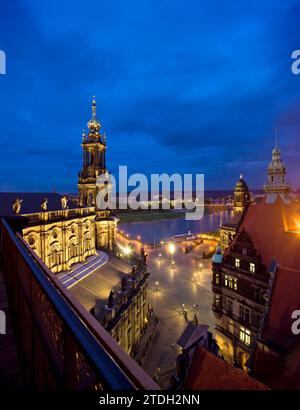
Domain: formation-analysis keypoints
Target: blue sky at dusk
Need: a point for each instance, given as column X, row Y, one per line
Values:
column 182, row 86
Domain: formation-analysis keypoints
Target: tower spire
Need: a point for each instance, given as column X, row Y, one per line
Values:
column 276, row 173
column 94, row 107
column 94, row 125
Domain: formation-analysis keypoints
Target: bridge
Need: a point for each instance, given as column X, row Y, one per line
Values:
column 59, row 344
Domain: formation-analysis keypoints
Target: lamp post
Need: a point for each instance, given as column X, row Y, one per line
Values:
column 127, row 251
column 172, row 251
column 156, row 286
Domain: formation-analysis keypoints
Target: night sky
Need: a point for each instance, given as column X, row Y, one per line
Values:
column 181, row 86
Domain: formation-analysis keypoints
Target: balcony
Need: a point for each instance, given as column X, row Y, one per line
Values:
column 60, row 345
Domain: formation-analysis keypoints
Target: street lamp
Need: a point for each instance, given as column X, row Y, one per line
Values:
column 127, row 250
column 172, row 250
column 156, row 286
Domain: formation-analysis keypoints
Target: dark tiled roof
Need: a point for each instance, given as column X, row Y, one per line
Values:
column 31, row 202
column 285, row 300
column 273, row 230
column 278, row 372
column 186, row 335
column 208, row 372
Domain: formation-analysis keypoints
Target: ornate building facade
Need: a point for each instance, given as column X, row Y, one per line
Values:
column 240, row 281
column 125, row 315
column 65, row 236
column 245, row 273
column 62, row 238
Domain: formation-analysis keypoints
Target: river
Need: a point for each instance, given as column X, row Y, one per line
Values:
column 155, row 231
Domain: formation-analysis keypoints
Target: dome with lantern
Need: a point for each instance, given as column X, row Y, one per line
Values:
column 241, row 184
column 93, row 124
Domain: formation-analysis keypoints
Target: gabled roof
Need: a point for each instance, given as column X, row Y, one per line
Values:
column 285, row 299
column 274, row 230
column 208, row 372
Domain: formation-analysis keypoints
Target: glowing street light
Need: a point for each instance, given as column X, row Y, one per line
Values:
column 127, row 250
column 156, row 286
column 171, row 248
column 172, row 251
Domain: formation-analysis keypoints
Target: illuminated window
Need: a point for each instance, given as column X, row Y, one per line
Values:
column 237, row 263
column 245, row 313
column 217, row 300
column 230, row 282
column 217, row 279
column 245, row 335
column 252, row 267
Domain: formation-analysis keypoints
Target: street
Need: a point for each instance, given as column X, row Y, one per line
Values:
column 186, row 286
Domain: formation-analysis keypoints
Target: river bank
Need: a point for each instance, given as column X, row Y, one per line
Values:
column 155, row 215
column 153, row 231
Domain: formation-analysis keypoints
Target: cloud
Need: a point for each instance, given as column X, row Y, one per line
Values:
column 180, row 87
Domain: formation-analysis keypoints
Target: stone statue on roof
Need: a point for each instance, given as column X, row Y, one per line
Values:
column 111, row 299
column 133, row 272
column 124, row 284
column 144, row 256
column 64, row 202
column 44, row 204
column 17, row 206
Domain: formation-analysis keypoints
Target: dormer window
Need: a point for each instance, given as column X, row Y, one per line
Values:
column 237, row 262
column 252, row 267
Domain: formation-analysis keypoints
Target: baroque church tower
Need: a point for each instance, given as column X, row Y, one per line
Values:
column 94, row 164
column 94, row 149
